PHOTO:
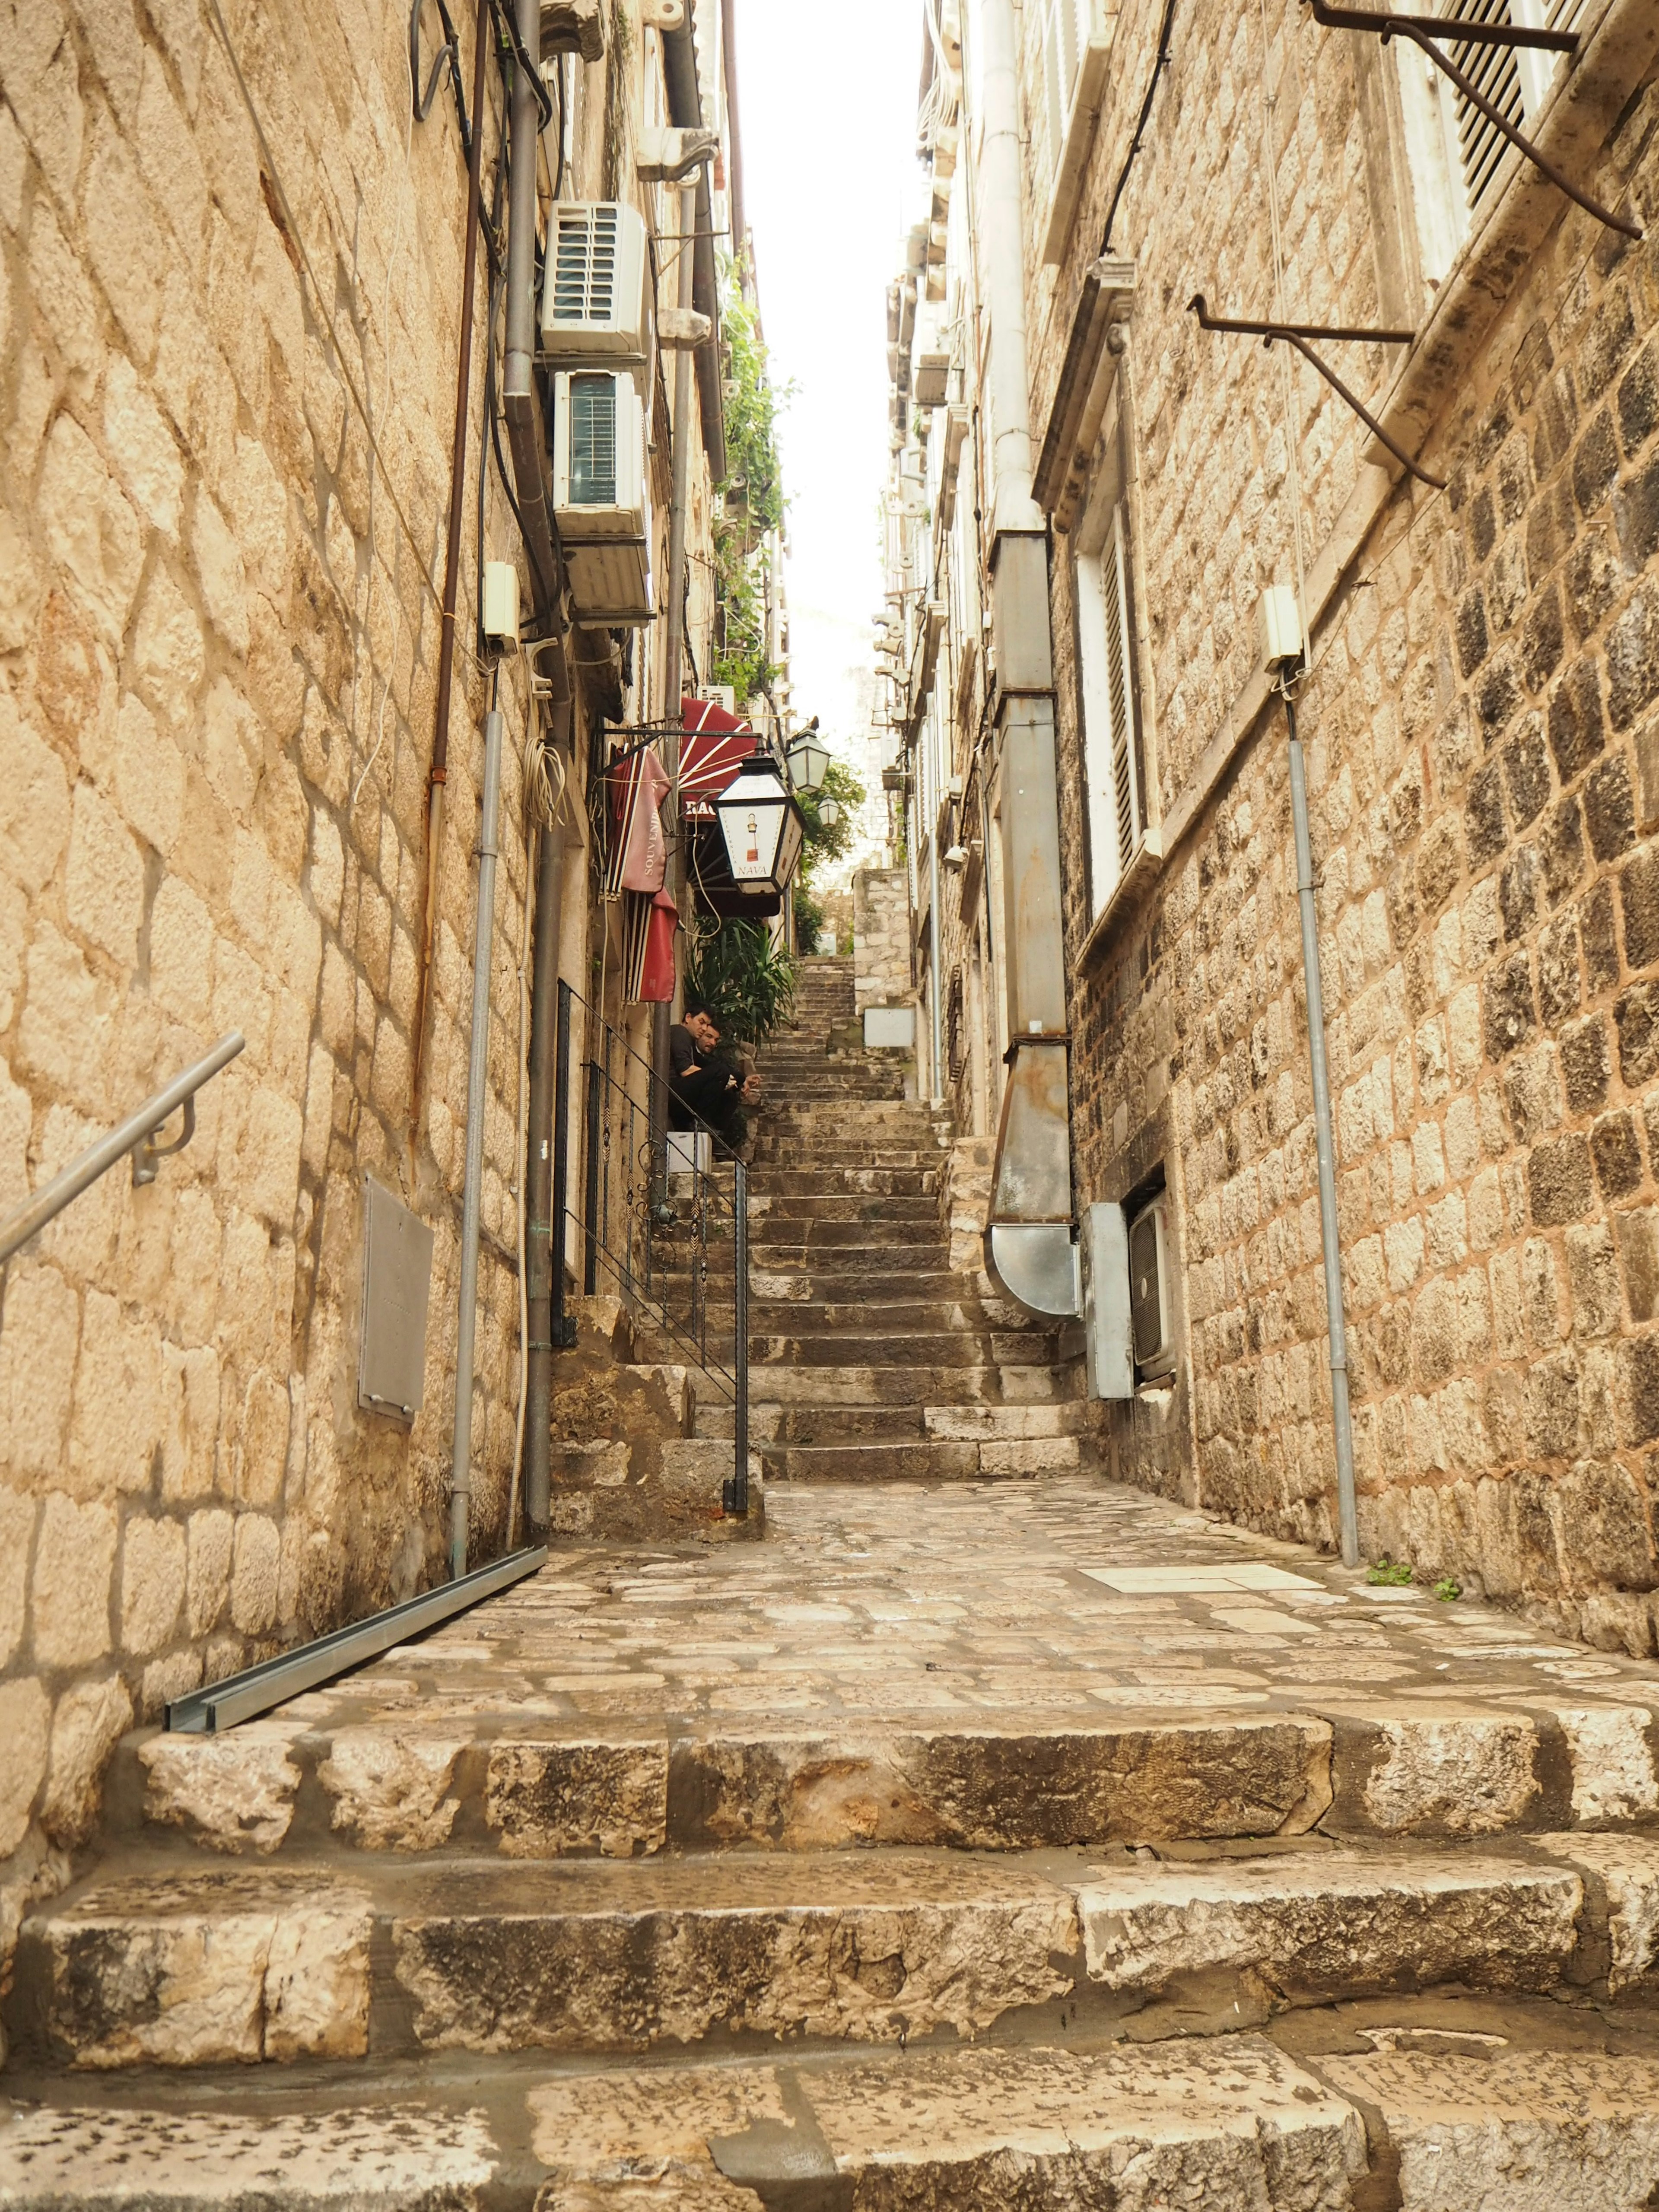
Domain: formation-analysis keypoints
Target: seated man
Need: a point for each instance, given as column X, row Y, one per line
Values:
column 703, row 1084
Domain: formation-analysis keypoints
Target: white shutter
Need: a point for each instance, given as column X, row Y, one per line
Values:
column 1515, row 80
column 1115, row 818
column 1064, row 33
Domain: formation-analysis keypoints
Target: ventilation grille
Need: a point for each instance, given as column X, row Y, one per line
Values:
column 585, row 268
column 592, row 440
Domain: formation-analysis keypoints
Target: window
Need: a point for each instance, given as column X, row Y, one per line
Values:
column 1456, row 151
column 1073, row 41
column 1107, row 702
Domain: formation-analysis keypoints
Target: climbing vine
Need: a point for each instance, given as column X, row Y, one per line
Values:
column 752, row 501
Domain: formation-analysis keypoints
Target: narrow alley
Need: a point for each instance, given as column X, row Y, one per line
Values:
column 829, row 1106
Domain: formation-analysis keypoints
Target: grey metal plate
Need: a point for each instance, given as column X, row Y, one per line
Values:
column 396, row 1287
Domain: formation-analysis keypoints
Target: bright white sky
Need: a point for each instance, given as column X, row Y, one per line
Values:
column 831, row 183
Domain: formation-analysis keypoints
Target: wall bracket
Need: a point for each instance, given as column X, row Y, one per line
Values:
column 1425, row 31
column 1297, row 335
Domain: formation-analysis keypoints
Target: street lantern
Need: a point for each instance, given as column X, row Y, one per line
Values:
column 762, row 826
column 829, row 813
column 809, row 762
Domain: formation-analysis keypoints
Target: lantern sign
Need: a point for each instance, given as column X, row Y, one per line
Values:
column 762, row 827
column 809, row 762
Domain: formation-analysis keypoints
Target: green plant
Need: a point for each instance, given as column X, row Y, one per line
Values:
column 831, row 841
column 746, row 981
column 1389, row 1574
column 809, row 919
column 753, row 499
column 1446, row 1590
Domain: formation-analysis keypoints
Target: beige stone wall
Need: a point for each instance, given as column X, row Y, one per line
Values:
column 1480, row 732
column 881, row 938
column 218, row 637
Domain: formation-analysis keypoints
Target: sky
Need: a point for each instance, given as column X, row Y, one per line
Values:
column 830, row 185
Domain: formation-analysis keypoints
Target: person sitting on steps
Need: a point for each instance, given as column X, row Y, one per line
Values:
column 704, row 1085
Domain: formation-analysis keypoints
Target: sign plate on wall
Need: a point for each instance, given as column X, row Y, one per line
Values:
column 397, row 1286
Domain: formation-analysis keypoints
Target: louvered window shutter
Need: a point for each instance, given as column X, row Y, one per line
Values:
column 1126, row 796
column 1514, row 79
column 1062, row 45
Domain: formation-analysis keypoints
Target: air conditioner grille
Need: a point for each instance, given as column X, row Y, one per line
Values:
column 593, row 440
column 584, row 267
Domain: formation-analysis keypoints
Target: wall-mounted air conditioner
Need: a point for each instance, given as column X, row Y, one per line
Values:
column 595, row 295
column 599, row 499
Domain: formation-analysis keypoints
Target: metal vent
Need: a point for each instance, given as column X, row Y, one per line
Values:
column 593, row 440
column 584, row 267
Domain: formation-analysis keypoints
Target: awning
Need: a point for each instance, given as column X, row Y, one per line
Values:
column 712, row 751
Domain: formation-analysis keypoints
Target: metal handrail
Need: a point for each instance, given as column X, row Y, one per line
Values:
column 133, row 1135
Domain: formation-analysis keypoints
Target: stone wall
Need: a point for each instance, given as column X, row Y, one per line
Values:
column 881, row 938
column 1483, row 756
column 229, row 314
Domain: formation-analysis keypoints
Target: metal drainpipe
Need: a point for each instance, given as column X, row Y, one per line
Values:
column 673, row 647
column 439, row 772
column 526, row 438
column 1341, row 1418
column 932, row 940
column 460, row 1483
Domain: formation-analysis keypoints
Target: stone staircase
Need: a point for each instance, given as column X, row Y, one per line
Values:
column 970, row 1843
column 872, row 1357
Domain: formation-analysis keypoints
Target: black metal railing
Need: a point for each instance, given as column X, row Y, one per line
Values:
column 661, row 1216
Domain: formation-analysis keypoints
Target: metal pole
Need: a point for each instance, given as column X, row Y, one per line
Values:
column 591, row 1246
column 460, row 1486
column 1347, row 1511
column 673, row 654
column 34, row 1214
column 736, row 1500
column 564, row 1330
column 937, row 1073
column 545, row 1131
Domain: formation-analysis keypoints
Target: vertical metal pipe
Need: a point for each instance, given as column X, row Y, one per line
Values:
column 591, row 1195
column 935, row 1025
column 438, row 775
column 736, row 1491
column 561, row 1322
column 1341, row 1419
column 542, row 1287
column 460, row 1483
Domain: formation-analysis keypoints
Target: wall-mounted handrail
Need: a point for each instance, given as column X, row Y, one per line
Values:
column 132, row 1136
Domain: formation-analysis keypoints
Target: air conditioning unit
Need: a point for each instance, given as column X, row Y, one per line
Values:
column 599, row 499
column 594, row 298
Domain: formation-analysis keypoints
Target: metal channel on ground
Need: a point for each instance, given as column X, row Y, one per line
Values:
column 256, row 1689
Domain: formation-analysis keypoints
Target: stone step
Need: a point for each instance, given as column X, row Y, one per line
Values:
column 1232, row 2121
column 819, row 1210
column 895, row 1385
column 816, row 1182
column 802, row 1152
column 913, row 1316
column 866, row 1281
column 942, row 1348
column 932, row 1461
column 145, row 1964
column 910, row 1240
column 770, row 1422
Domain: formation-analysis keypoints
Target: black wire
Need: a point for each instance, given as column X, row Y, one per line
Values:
column 685, row 629
column 507, row 25
column 450, row 52
column 492, row 307
column 1158, row 68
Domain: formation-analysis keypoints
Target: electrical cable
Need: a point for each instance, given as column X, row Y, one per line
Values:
column 507, row 29
column 1158, row 68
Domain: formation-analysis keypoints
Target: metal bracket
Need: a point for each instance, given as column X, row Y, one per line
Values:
column 1297, row 335
column 146, row 1152
column 1425, row 31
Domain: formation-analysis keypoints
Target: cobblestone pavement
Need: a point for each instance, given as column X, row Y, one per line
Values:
column 1069, row 1594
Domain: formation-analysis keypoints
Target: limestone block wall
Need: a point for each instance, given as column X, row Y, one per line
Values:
column 230, row 287
column 881, row 938
column 1483, row 754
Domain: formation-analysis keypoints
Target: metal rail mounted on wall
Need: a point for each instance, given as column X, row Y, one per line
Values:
column 665, row 1223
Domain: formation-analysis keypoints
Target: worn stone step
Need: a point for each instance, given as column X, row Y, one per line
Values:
column 814, row 1182
column 1209, row 2123
column 795, row 1152
column 886, row 1384
column 889, row 1243
column 821, row 1208
column 865, row 1280
column 935, row 1460
column 505, row 1778
column 771, row 1423
column 940, row 1348
column 148, row 1965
